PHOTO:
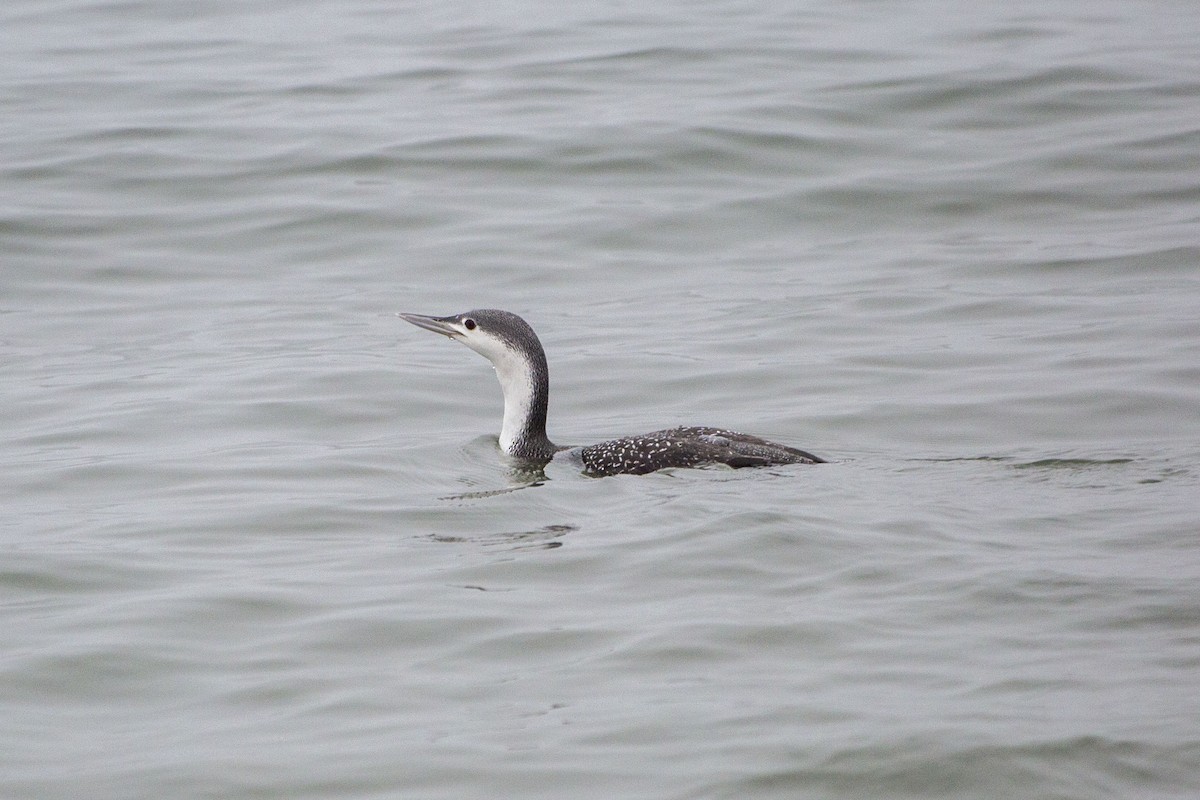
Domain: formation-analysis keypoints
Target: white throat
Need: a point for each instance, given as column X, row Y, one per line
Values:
column 516, row 380
column 516, row 375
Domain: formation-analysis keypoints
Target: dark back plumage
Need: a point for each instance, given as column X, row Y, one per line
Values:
column 687, row 447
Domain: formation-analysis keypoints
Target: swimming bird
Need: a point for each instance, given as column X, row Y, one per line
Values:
column 520, row 363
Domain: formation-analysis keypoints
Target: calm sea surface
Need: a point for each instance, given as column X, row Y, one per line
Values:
column 257, row 538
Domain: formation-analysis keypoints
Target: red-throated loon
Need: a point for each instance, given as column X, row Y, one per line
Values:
column 520, row 362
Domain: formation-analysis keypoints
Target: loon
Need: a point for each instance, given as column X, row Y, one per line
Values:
column 520, row 363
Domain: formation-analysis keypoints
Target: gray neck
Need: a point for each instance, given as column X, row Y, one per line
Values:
column 525, row 379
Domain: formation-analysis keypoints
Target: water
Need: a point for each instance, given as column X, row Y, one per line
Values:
column 258, row 541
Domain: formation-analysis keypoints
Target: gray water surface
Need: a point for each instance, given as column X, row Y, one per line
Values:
column 259, row 542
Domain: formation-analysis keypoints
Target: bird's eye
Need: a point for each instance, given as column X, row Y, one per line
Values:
column 469, row 324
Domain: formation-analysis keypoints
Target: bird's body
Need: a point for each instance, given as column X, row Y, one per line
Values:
column 520, row 363
column 691, row 446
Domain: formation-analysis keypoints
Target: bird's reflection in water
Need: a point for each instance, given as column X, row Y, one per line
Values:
column 520, row 477
column 547, row 537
